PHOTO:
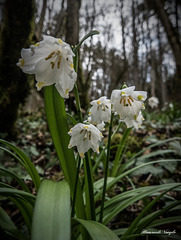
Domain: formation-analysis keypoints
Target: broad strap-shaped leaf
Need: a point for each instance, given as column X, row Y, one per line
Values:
column 96, row 230
column 51, row 218
column 27, row 163
column 57, row 122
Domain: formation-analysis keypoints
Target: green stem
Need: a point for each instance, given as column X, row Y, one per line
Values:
column 106, row 170
column 76, row 93
column 75, row 187
column 89, row 190
column 104, row 149
column 78, row 103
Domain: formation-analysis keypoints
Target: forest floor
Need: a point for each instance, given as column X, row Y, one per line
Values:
column 35, row 140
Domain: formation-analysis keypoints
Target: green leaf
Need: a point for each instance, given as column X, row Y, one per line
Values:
column 51, row 218
column 135, row 223
column 57, row 122
column 72, row 119
column 25, row 208
column 117, row 161
column 120, row 202
column 8, row 226
column 94, row 32
column 9, row 191
column 16, row 177
column 114, row 181
column 96, row 230
column 27, row 163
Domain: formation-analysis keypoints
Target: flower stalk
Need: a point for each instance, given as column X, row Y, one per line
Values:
column 106, row 169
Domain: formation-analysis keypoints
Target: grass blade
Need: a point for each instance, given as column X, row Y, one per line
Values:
column 8, row 226
column 16, row 177
column 27, row 163
column 96, row 230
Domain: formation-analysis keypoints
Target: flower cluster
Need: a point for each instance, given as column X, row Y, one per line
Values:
column 51, row 60
column 153, row 102
column 85, row 137
column 128, row 104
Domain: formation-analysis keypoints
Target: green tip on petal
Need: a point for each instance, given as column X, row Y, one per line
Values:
column 123, row 86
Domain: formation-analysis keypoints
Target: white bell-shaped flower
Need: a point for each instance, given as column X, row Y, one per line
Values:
column 136, row 123
column 100, row 110
column 84, row 137
column 153, row 102
column 127, row 102
column 51, row 60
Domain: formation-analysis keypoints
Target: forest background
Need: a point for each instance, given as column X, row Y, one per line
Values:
column 139, row 43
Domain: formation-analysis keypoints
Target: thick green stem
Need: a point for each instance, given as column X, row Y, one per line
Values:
column 89, row 189
column 75, row 187
column 78, row 103
column 106, row 170
column 104, row 149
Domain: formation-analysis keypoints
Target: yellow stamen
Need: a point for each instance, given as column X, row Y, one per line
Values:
column 50, row 56
column 86, row 127
column 129, row 102
column 36, row 44
column 40, row 84
column 60, row 41
column 124, row 102
column 101, row 134
column 59, row 61
column 140, row 97
column 98, row 102
column 81, row 131
column 89, row 113
column 71, row 65
column 135, row 117
column 98, row 150
column 131, row 98
column 89, row 135
column 22, row 62
column 123, row 93
column 53, row 65
column 70, row 131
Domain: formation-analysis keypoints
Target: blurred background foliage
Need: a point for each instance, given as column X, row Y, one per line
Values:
column 139, row 43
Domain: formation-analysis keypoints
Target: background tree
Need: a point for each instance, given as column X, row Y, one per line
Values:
column 15, row 32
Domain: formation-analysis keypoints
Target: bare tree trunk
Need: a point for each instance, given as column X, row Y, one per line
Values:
column 161, row 84
column 39, row 26
column 173, row 38
column 135, row 76
column 15, row 33
column 72, row 24
column 126, row 66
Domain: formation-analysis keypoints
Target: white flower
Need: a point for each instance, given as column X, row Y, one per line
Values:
column 100, row 110
column 51, row 60
column 101, row 126
column 153, row 102
column 136, row 123
column 84, row 137
column 128, row 103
